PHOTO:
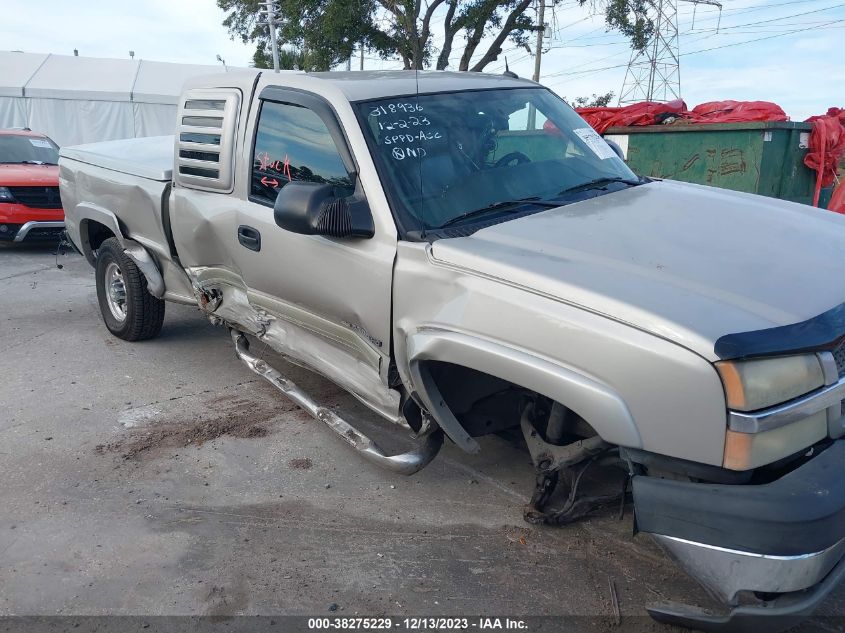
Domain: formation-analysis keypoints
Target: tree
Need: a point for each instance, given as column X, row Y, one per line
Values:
column 629, row 17
column 596, row 101
column 331, row 29
column 289, row 58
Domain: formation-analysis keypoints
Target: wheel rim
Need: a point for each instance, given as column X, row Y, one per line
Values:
column 115, row 291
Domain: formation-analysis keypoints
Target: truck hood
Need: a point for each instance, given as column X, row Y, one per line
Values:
column 685, row 262
column 29, row 175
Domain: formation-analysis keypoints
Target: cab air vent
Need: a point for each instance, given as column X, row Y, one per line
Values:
column 205, row 140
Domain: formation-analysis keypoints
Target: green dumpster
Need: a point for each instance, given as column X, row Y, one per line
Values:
column 765, row 158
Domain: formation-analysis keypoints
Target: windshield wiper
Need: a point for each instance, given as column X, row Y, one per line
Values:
column 496, row 206
column 599, row 183
column 34, row 162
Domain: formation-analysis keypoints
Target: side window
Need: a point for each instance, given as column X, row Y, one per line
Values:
column 293, row 143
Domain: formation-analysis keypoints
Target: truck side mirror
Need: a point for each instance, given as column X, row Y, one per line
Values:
column 311, row 208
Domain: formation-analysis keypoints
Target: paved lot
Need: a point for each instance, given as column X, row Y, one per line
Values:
column 164, row 478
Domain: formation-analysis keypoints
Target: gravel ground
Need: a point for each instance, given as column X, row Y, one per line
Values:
column 164, row 478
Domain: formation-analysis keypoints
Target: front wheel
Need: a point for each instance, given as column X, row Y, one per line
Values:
column 129, row 311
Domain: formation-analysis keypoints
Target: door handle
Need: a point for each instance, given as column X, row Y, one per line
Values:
column 249, row 237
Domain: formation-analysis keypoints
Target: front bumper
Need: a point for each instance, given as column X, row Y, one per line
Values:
column 33, row 230
column 782, row 537
column 727, row 572
column 783, row 613
column 19, row 222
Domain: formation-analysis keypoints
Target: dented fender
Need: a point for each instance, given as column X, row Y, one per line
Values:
column 146, row 264
column 633, row 388
column 593, row 400
column 76, row 225
column 77, row 228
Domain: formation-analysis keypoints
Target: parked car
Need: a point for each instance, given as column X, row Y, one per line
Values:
column 428, row 243
column 30, row 206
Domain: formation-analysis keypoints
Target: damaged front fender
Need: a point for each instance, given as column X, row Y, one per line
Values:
column 594, row 401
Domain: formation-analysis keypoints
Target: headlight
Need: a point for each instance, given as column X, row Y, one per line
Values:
column 744, row 451
column 757, row 384
column 6, row 195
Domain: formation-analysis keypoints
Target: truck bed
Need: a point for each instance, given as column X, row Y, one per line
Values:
column 123, row 186
column 150, row 158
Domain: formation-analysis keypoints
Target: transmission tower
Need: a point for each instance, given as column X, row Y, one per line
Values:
column 654, row 73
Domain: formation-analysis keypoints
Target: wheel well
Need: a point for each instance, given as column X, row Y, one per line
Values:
column 486, row 404
column 96, row 233
column 93, row 234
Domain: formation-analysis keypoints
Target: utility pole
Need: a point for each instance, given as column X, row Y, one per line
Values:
column 654, row 73
column 538, row 54
column 541, row 27
column 362, row 57
column 270, row 12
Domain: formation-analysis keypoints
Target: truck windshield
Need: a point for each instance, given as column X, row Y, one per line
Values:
column 452, row 158
column 37, row 150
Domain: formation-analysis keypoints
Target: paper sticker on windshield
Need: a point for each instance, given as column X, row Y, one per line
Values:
column 40, row 142
column 595, row 142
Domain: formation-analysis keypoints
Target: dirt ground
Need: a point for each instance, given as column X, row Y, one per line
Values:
column 164, row 478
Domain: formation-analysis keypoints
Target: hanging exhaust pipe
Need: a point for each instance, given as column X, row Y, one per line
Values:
column 403, row 464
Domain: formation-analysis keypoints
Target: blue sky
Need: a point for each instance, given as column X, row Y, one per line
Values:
column 801, row 66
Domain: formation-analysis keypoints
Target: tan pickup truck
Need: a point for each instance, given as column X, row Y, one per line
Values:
column 464, row 255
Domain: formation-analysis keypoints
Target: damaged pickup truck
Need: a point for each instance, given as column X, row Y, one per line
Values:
column 464, row 255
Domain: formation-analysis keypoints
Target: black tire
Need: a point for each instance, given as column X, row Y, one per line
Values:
column 143, row 314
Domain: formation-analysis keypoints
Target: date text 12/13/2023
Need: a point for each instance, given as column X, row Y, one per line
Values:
column 417, row 624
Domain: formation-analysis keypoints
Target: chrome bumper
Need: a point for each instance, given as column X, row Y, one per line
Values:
column 784, row 540
column 818, row 573
column 32, row 226
column 726, row 572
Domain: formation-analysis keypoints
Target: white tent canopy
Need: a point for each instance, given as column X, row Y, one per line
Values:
column 85, row 99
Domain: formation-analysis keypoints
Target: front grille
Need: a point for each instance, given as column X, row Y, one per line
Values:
column 38, row 197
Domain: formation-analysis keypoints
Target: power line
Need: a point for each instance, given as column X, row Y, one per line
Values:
column 597, row 61
column 654, row 72
column 701, row 31
column 758, row 7
column 784, row 17
column 592, row 71
column 760, row 39
column 755, row 9
column 512, row 61
column 756, row 26
column 704, row 50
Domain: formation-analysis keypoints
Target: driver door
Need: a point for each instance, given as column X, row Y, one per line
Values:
column 331, row 297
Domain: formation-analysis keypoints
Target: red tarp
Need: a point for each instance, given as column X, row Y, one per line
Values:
column 736, row 112
column 645, row 113
column 651, row 113
column 826, row 150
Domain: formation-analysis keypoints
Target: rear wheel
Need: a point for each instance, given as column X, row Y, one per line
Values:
column 129, row 311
